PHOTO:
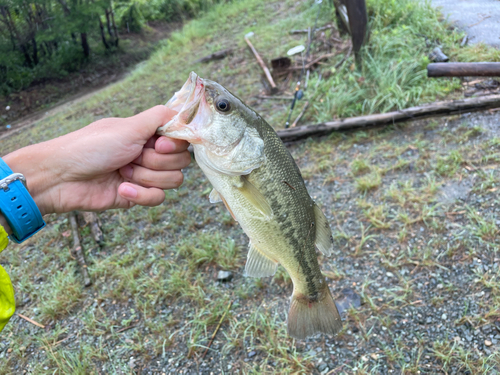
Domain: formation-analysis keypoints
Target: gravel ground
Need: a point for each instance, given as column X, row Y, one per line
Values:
column 417, row 257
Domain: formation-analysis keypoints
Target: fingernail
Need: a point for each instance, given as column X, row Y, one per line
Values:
column 128, row 191
column 127, row 171
column 164, row 145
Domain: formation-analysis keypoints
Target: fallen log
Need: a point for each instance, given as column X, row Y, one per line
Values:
column 264, row 67
column 443, row 108
column 219, row 55
column 480, row 69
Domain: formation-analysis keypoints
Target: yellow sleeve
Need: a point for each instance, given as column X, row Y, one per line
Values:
column 7, row 301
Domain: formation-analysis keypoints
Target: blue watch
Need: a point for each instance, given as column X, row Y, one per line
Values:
column 17, row 205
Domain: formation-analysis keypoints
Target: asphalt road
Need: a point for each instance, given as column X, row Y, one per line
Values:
column 480, row 19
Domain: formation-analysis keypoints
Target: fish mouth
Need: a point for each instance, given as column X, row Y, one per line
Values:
column 193, row 111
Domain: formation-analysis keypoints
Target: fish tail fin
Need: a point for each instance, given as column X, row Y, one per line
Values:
column 307, row 317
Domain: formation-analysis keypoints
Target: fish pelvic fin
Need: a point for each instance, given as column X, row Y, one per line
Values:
column 258, row 264
column 308, row 317
column 214, row 197
column 324, row 239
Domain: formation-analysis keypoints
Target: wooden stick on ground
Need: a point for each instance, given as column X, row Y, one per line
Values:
column 217, row 329
column 444, row 108
column 275, row 97
column 315, row 30
column 315, row 61
column 300, row 115
column 215, row 56
column 31, row 320
column 78, row 249
column 92, row 219
column 274, row 88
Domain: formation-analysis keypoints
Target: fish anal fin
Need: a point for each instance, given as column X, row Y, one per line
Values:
column 252, row 194
column 258, row 264
column 324, row 239
column 214, row 197
column 308, row 317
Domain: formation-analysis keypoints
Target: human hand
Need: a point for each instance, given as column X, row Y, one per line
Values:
column 111, row 163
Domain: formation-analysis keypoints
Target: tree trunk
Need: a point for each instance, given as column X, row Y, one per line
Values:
column 35, row 49
column 108, row 24
column 85, row 44
column 114, row 27
column 103, row 36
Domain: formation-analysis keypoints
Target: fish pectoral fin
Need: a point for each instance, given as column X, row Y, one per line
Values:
column 259, row 264
column 324, row 239
column 252, row 194
column 214, row 197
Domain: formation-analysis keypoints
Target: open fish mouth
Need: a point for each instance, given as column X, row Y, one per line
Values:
column 190, row 93
column 193, row 110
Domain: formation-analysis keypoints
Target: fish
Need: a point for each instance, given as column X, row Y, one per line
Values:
column 257, row 179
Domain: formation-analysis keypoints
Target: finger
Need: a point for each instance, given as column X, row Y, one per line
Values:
column 165, row 145
column 163, row 162
column 141, row 195
column 151, row 141
column 146, row 123
column 149, row 178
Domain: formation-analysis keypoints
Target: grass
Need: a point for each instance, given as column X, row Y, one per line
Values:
column 410, row 254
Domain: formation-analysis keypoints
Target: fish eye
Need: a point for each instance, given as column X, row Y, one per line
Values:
column 223, row 105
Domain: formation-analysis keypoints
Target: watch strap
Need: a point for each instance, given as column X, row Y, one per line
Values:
column 17, row 206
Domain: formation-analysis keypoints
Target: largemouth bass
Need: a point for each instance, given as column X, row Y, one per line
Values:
column 255, row 176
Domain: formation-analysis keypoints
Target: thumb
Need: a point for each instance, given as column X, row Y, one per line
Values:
column 146, row 123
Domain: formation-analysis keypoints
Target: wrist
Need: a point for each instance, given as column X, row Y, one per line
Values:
column 29, row 162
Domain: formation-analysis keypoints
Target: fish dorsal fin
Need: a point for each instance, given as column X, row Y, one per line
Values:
column 252, row 194
column 324, row 239
column 259, row 264
column 214, row 197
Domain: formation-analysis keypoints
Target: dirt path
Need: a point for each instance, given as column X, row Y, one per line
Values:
column 480, row 19
column 33, row 118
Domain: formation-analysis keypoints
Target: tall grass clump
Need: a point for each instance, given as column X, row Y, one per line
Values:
column 393, row 73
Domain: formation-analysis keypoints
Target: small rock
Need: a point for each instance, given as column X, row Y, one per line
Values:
column 364, row 358
column 374, row 356
column 7, row 108
column 349, row 299
column 488, row 343
column 252, row 354
column 322, row 367
column 224, row 276
column 444, row 316
column 437, row 55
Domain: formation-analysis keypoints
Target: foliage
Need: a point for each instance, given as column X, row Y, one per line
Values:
column 44, row 39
